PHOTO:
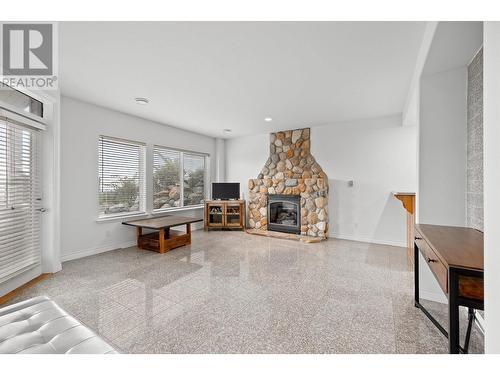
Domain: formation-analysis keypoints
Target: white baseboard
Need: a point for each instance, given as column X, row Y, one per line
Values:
column 96, row 250
column 367, row 240
column 109, row 247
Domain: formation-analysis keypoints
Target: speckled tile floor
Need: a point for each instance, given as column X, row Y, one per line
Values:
column 231, row 292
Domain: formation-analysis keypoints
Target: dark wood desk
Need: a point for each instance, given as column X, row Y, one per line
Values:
column 455, row 257
column 164, row 239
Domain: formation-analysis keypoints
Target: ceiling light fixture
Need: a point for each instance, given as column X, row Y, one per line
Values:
column 227, row 131
column 268, row 119
column 142, row 101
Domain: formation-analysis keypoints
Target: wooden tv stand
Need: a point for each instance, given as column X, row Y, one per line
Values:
column 225, row 214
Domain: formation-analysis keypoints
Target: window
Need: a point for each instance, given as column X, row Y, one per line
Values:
column 20, row 198
column 121, row 177
column 194, row 179
column 166, row 179
column 178, row 178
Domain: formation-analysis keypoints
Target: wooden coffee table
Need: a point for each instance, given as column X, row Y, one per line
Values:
column 163, row 239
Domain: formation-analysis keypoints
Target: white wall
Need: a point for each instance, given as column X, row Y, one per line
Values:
column 245, row 157
column 378, row 154
column 442, row 160
column 81, row 125
column 443, row 148
column 51, row 181
column 220, row 160
column 411, row 108
column 492, row 185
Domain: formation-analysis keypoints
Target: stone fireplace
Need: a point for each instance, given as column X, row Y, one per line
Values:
column 291, row 174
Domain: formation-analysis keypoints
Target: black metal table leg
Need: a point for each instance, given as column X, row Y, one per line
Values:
column 472, row 317
column 415, row 272
column 453, row 313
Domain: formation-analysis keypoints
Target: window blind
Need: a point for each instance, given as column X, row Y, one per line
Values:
column 121, row 177
column 20, row 198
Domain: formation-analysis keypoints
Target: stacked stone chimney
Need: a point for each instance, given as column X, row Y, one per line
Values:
column 291, row 170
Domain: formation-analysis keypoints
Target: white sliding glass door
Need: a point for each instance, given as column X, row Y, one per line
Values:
column 20, row 198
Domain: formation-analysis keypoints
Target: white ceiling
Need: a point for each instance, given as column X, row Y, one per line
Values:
column 206, row 77
column 453, row 46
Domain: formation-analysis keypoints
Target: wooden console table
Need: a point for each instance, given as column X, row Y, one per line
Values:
column 163, row 239
column 455, row 257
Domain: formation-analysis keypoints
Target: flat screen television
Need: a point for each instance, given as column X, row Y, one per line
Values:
column 225, row 190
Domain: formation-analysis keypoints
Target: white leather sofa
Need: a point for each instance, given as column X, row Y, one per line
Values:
column 39, row 325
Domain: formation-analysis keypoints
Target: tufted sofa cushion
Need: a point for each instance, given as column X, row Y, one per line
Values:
column 39, row 325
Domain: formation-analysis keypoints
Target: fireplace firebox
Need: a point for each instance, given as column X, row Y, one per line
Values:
column 283, row 212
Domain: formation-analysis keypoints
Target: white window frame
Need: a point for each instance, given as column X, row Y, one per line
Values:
column 142, row 181
column 206, row 178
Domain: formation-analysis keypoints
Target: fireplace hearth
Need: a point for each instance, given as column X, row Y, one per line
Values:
column 283, row 212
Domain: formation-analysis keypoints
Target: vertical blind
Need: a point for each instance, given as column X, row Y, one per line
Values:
column 20, row 198
column 121, row 177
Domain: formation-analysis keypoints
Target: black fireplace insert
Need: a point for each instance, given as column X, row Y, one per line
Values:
column 283, row 213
